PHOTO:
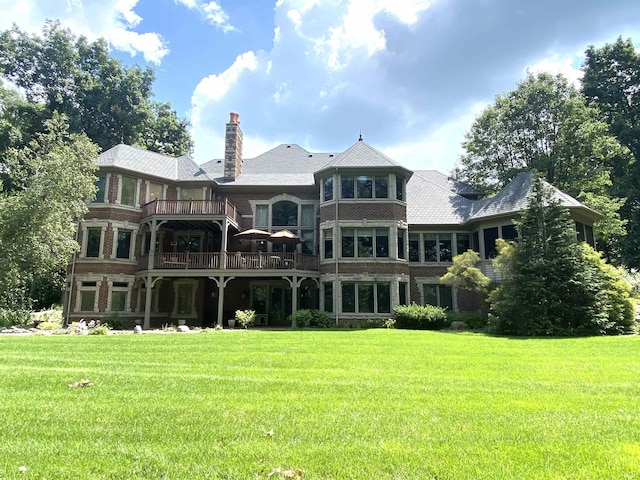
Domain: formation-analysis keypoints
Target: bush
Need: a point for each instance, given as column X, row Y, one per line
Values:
column 9, row 317
column 474, row 320
column 420, row 317
column 313, row 318
column 116, row 322
column 245, row 318
column 100, row 330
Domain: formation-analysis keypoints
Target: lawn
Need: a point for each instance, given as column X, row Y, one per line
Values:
column 362, row 404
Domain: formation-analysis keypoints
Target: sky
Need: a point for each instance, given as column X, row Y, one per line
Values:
column 409, row 75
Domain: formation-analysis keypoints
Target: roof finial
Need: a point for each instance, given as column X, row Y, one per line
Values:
column 360, row 137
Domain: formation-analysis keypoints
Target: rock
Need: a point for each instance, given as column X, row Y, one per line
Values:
column 183, row 329
column 137, row 329
column 457, row 325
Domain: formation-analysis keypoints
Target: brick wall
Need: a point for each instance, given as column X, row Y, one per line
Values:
column 369, row 210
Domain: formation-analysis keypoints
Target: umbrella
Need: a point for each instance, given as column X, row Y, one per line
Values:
column 253, row 234
column 286, row 237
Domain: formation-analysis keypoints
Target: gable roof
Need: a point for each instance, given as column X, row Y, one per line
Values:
column 515, row 197
column 362, row 155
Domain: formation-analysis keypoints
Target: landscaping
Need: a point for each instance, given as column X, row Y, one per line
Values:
column 349, row 404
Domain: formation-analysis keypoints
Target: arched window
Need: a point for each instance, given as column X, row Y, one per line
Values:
column 284, row 214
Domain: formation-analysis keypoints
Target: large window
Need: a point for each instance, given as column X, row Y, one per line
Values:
column 364, row 186
column 128, row 194
column 123, row 249
column 191, row 193
column 490, row 237
column 366, row 297
column 155, row 191
column 401, row 236
column 185, row 299
column 399, row 188
column 101, row 186
column 87, row 300
column 438, row 295
column 284, row 214
column 463, row 242
column 328, row 297
column 262, row 216
column 94, row 238
column 365, row 242
column 437, row 247
column 327, row 235
column 414, row 247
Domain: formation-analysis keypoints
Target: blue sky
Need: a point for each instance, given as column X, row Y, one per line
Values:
column 411, row 75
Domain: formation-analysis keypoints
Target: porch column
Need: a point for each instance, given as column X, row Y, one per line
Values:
column 152, row 245
column 223, row 245
column 147, row 302
column 294, row 299
column 221, row 283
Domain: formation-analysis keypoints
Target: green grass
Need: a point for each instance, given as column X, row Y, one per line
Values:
column 380, row 404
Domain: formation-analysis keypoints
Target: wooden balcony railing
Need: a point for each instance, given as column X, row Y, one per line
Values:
column 190, row 207
column 235, row 261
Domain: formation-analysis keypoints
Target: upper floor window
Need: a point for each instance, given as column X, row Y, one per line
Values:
column 437, row 247
column 364, row 186
column 401, row 234
column 365, row 242
column 123, row 249
column 128, row 193
column 262, row 216
column 327, row 189
column 155, row 191
column 94, row 237
column 284, row 213
column 327, row 235
column 399, row 188
column 191, row 193
column 101, row 186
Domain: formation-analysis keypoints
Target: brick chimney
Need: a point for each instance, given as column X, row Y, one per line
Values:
column 233, row 148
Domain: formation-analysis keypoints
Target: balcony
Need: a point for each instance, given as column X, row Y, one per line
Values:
column 190, row 207
column 235, row 261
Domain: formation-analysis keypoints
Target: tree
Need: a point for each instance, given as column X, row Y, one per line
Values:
column 546, row 127
column 464, row 273
column 51, row 178
column 612, row 83
column 551, row 286
column 108, row 102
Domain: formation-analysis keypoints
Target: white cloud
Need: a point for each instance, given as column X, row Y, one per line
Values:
column 211, row 11
column 561, row 64
column 109, row 19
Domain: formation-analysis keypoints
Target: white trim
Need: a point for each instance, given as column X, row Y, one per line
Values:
column 93, row 223
column 136, row 195
column 134, row 228
column 80, row 279
column 129, row 280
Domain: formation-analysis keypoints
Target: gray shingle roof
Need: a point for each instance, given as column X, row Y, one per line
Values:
column 445, row 181
column 515, row 197
column 360, row 155
column 433, row 202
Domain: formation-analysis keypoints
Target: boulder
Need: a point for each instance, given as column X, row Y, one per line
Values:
column 457, row 325
column 183, row 329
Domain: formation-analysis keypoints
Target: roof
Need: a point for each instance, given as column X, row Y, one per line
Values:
column 151, row 163
column 430, row 201
column 362, row 155
column 448, row 182
column 515, row 197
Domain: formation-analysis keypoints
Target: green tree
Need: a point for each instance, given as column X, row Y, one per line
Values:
column 612, row 83
column 51, row 178
column 546, row 127
column 464, row 273
column 108, row 102
column 550, row 285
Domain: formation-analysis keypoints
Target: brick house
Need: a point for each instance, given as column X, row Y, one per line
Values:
column 168, row 241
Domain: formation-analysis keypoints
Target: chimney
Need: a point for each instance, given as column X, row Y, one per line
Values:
column 233, row 148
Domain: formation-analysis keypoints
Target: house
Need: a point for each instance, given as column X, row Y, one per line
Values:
column 170, row 241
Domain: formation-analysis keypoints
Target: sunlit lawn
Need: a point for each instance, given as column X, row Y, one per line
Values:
column 380, row 404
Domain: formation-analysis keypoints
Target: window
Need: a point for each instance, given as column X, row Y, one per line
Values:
column 346, row 187
column 101, row 185
column 308, row 214
column 463, row 242
column 401, row 234
column 476, row 242
column 366, row 297
column 87, row 300
column 155, row 191
column 262, row 216
column 444, row 247
column 589, row 235
column 402, row 293
column 94, row 238
column 382, row 187
column 399, row 188
column 438, row 295
column 118, row 300
column 328, row 297
column 327, row 235
column 188, row 243
column 308, row 237
column 365, row 242
column 123, row 249
column 365, row 187
column 509, row 232
column 327, row 188
column 414, row 247
column 284, row 214
column 490, row 237
column 128, row 194
column 191, row 193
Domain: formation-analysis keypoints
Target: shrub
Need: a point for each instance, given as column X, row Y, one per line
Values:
column 474, row 320
column 245, row 318
column 14, row 317
column 116, row 322
column 420, row 317
column 313, row 318
column 100, row 330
